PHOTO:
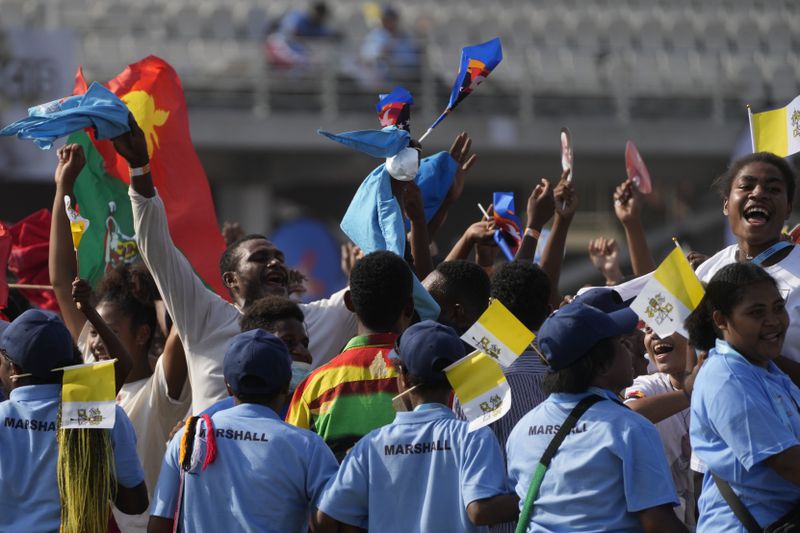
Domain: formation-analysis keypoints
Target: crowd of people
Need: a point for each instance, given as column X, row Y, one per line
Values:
column 263, row 414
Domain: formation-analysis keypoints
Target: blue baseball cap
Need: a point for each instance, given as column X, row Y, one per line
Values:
column 603, row 298
column 37, row 341
column 427, row 347
column 260, row 356
column 569, row 333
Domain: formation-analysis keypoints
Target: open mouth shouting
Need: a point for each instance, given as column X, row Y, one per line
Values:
column 757, row 215
column 275, row 276
column 661, row 349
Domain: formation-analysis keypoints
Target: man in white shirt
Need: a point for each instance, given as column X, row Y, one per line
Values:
column 252, row 267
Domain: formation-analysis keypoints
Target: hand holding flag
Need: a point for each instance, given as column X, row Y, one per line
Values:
column 477, row 62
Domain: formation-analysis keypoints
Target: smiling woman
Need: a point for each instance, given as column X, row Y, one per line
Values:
column 757, row 194
column 745, row 413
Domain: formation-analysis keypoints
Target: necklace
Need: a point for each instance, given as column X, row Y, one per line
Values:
column 766, row 254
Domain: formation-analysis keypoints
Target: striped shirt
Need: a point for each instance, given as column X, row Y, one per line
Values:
column 525, row 377
column 349, row 396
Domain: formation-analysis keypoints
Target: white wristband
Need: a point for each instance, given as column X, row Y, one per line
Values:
column 140, row 171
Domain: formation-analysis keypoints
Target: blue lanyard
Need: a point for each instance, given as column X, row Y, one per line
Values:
column 769, row 252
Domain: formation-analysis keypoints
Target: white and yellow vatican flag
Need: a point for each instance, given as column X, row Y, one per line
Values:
column 776, row 131
column 499, row 334
column 481, row 387
column 88, row 395
column 671, row 294
column 77, row 224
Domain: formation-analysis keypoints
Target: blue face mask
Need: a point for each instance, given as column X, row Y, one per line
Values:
column 300, row 371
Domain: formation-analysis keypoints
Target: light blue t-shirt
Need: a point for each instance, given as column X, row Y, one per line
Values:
column 741, row 415
column 419, row 473
column 610, row 467
column 268, row 474
column 29, row 499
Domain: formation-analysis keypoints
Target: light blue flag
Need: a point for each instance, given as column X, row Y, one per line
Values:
column 383, row 143
column 99, row 109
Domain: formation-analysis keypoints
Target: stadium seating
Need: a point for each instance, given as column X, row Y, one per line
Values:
column 744, row 51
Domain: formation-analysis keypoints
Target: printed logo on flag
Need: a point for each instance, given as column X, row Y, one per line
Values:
column 659, row 309
column 669, row 296
column 119, row 248
column 476, row 73
column 481, row 388
column 796, row 123
column 88, row 396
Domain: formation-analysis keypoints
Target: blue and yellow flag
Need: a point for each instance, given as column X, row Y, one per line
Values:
column 508, row 234
column 394, row 109
column 477, row 62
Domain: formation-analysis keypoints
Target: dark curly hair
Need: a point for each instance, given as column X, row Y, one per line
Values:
column 723, row 183
column 723, row 292
column 524, row 289
column 132, row 289
column 466, row 282
column 265, row 312
column 380, row 287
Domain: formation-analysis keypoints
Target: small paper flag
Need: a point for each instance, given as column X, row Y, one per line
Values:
column 499, row 334
column 77, row 224
column 481, row 387
column 88, row 396
column 670, row 295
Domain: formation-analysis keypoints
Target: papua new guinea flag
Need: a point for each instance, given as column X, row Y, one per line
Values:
column 477, row 62
column 508, row 236
column 394, row 109
column 152, row 91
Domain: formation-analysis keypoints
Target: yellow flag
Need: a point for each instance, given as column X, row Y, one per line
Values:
column 670, row 296
column 77, row 224
column 88, row 395
column 499, row 334
column 481, row 387
column 778, row 130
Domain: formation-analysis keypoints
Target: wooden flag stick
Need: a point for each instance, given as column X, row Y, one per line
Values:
column 31, row 287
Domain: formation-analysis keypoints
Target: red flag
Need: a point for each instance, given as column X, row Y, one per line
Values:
column 153, row 92
column 5, row 251
column 28, row 259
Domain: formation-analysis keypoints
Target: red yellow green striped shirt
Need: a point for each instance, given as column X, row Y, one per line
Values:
column 349, row 396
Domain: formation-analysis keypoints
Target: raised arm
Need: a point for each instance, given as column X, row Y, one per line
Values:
column 479, row 232
column 175, row 369
column 133, row 147
column 541, row 206
column 420, row 243
column 61, row 256
column 81, row 294
column 627, row 206
column 604, row 255
column 459, row 151
column 566, row 203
